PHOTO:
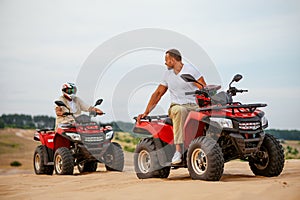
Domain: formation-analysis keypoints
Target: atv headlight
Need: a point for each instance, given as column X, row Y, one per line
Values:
column 109, row 135
column 74, row 136
column 264, row 122
column 223, row 122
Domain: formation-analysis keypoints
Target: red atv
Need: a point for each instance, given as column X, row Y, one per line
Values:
column 219, row 131
column 83, row 143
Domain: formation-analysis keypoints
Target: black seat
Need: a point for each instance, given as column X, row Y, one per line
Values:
column 45, row 130
column 169, row 121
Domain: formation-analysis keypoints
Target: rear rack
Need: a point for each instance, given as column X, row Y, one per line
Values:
column 156, row 117
column 250, row 108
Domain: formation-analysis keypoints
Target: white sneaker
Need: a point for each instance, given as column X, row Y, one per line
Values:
column 176, row 158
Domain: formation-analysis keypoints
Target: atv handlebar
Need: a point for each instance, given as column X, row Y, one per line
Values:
column 241, row 91
column 234, row 90
column 91, row 113
column 149, row 118
column 67, row 113
column 190, row 93
column 199, row 92
column 94, row 113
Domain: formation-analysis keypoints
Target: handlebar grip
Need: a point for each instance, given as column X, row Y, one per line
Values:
column 145, row 118
column 241, row 91
column 94, row 113
column 190, row 93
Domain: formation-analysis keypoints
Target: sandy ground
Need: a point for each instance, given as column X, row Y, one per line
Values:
column 238, row 182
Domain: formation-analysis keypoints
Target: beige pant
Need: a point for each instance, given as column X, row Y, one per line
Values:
column 178, row 114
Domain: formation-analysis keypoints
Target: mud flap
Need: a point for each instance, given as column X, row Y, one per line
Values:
column 161, row 154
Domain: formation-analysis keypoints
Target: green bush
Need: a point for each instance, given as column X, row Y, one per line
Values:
column 129, row 149
column 291, row 153
column 15, row 164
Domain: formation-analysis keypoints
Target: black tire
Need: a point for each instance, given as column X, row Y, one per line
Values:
column 90, row 166
column 63, row 161
column 164, row 172
column 205, row 159
column 114, row 158
column 146, row 163
column 272, row 161
column 38, row 161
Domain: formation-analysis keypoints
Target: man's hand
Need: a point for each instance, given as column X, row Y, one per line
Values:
column 98, row 111
column 140, row 117
column 59, row 111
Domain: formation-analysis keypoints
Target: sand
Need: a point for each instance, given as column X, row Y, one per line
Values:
column 238, row 182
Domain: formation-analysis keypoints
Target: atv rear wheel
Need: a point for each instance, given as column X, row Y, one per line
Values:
column 146, row 163
column 63, row 161
column 38, row 161
column 90, row 166
column 114, row 158
column 205, row 159
column 270, row 159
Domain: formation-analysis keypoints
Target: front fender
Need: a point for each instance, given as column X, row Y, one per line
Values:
column 194, row 126
column 60, row 141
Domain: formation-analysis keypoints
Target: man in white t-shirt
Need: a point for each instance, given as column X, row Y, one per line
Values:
column 181, row 104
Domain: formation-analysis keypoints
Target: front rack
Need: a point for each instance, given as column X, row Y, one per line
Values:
column 250, row 108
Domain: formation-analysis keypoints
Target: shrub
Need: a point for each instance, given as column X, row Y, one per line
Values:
column 129, row 149
column 15, row 164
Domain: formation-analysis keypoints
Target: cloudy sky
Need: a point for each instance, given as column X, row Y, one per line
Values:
column 46, row 43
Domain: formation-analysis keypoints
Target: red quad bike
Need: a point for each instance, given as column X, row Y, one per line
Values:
column 83, row 143
column 219, row 131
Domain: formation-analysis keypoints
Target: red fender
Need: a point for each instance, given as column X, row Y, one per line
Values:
column 60, row 141
column 193, row 127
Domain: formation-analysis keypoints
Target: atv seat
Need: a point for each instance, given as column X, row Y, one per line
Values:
column 45, row 130
column 169, row 121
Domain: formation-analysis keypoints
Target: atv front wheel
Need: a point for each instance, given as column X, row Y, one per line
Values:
column 146, row 163
column 38, row 161
column 205, row 159
column 269, row 161
column 87, row 166
column 114, row 158
column 63, row 161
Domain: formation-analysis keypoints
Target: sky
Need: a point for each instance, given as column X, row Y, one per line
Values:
column 46, row 43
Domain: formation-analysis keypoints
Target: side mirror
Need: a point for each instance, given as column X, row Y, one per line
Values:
column 188, row 78
column 60, row 103
column 98, row 102
column 237, row 78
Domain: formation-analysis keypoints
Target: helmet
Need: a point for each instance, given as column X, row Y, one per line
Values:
column 69, row 90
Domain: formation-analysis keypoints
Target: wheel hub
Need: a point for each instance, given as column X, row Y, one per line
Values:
column 58, row 163
column 37, row 162
column 263, row 159
column 144, row 161
column 199, row 161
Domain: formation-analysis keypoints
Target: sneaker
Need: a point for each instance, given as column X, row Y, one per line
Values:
column 176, row 158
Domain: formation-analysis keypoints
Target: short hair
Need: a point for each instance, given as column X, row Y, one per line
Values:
column 175, row 54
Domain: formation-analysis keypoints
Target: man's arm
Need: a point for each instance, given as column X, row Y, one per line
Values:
column 155, row 97
column 86, row 108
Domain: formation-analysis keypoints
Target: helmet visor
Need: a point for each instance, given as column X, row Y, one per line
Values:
column 70, row 90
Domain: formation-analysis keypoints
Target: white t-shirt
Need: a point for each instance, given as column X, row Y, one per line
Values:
column 177, row 86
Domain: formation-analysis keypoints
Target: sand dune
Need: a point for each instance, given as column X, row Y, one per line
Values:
column 238, row 182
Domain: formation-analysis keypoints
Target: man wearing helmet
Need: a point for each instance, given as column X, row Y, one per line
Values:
column 74, row 103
